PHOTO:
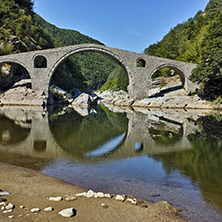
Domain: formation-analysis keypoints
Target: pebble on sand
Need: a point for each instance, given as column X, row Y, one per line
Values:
column 120, row 197
column 69, row 212
column 56, row 199
column 99, row 195
column 90, row 194
column 81, row 194
column 3, row 204
column 7, row 211
column 104, row 206
column 48, row 209
column 71, row 198
column 9, row 206
column 35, row 210
column 2, row 193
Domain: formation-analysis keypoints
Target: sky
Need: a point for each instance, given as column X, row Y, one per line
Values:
column 131, row 25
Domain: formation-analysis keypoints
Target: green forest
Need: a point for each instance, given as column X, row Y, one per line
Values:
column 22, row 30
column 197, row 40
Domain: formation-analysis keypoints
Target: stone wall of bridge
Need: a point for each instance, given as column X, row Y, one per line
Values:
column 139, row 77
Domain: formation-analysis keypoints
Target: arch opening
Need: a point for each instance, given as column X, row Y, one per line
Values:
column 141, row 63
column 167, row 79
column 13, row 75
column 40, row 62
column 13, row 132
column 165, row 131
column 91, row 70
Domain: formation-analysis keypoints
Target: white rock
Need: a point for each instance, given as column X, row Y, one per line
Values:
column 48, row 209
column 131, row 201
column 3, row 204
column 69, row 212
column 90, row 194
column 120, row 197
column 7, row 211
column 3, row 207
column 71, row 198
column 35, row 210
column 81, row 194
column 21, row 207
column 9, row 206
column 11, row 217
column 107, row 195
column 2, row 193
column 104, row 206
column 82, row 100
column 99, row 195
column 57, row 199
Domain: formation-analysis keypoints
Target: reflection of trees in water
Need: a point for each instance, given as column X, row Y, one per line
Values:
column 79, row 135
column 203, row 162
column 12, row 133
column 166, row 133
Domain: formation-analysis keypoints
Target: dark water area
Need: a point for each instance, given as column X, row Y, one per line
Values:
column 153, row 155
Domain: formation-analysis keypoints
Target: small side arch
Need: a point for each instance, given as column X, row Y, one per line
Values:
column 40, row 62
column 178, row 70
column 141, row 62
column 14, row 71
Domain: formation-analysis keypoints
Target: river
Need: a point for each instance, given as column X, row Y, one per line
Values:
column 153, row 155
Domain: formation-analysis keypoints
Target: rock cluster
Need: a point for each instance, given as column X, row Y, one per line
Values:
column 172, row 100
column 8, row 208
column 21, row 94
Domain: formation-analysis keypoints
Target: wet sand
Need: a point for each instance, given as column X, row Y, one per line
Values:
column 31, row 189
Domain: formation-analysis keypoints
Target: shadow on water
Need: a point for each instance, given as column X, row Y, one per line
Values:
column 151, row 154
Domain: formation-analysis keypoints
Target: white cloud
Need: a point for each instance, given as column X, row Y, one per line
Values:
column 133, row 33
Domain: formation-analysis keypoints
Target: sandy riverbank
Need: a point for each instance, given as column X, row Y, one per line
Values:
column 31, row 189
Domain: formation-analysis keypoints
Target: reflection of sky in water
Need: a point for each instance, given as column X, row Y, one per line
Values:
column 107, row 147
column 142, row 177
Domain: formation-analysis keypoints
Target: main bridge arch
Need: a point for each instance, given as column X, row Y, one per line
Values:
column 90, row 49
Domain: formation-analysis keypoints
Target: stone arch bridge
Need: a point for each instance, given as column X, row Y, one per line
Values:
column 42, row 64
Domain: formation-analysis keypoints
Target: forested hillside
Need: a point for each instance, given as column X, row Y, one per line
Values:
column 85, row 69
column 21, row 30
column 198, row 40
column 18, row 32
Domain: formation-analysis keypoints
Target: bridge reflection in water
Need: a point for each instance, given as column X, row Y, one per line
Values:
column 144, row 153
column 31, row 133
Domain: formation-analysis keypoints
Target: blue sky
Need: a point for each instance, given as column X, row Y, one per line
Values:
column 125, row 24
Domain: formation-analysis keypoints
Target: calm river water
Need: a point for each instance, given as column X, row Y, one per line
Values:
column 153, row 155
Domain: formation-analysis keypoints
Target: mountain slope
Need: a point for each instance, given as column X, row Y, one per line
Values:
column 197, row 40
column 22, row 30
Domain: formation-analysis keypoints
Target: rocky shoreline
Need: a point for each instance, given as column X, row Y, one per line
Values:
column 172, row 96
column 28, row 195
